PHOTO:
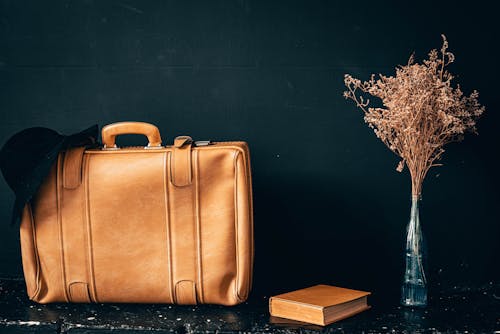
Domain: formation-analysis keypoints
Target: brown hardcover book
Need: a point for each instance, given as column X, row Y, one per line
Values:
column 319, row 304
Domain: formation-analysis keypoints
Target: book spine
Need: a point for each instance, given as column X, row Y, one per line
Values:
column 290, row 310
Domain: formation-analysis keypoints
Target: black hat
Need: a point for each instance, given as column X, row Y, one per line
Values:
column 26, row 159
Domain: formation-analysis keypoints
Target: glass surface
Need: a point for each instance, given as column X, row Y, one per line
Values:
column 414, row 288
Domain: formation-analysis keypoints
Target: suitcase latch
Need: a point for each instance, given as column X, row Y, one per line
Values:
column 202, row 143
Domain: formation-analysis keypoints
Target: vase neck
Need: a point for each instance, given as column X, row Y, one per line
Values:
column 414, row 214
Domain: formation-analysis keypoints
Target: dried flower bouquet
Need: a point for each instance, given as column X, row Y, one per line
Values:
column 421, row 112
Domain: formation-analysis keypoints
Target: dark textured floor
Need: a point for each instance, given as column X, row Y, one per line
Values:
column 459, row 309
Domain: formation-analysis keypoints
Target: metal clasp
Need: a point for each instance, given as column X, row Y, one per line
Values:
column 202, row 143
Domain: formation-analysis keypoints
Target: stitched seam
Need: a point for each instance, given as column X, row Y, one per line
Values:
column 167, row 223
column 84, row 222
column 61, row 190
column 188, row 164
column 172, row 167
column 246, row 171
column 194, row 292
column 193, row 222
column 89, row 234
column 208, row 148
column 235, row 161
column 65, row 182
column 35, row 251
column 198, row 227
column 60, row 228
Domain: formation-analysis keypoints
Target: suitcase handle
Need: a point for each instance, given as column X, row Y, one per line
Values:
column 109, row 133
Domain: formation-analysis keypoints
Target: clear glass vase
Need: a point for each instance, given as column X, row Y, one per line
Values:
column 414, row 288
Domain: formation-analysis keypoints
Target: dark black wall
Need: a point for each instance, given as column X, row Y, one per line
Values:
column 329, row 205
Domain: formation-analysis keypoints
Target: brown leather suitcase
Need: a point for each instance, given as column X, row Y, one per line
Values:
column 155, row 224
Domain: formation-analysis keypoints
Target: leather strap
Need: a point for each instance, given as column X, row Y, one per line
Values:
column 185, row 293
column 183, row 234
column 79, row 292
column 73, row 226
column 181, row 170
column 72, row 167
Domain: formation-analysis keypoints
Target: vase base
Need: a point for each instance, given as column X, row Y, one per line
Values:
column 413, row 295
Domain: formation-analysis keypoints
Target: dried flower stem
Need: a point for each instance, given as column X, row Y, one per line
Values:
column 421, row 111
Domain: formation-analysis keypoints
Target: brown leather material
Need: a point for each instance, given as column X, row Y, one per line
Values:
column 72, row 177
column 74, row 243
column 180, row 141
column 185, row 293
column 30, row 259
column 183, row 231
column 79, row 292
column 180, row 166
column 109, row 132
column 128, row 230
